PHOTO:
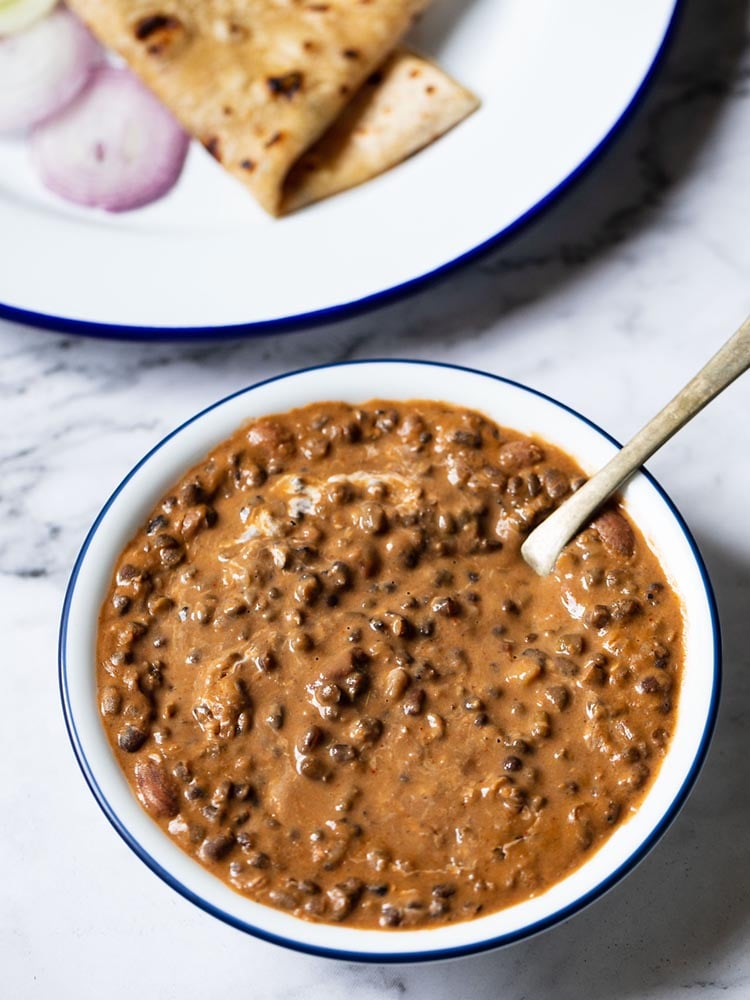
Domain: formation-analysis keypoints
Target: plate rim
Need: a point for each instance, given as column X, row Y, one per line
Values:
column 434, row 955
column 372, row 301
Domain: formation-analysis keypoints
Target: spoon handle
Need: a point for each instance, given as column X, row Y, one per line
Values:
column 544, row 544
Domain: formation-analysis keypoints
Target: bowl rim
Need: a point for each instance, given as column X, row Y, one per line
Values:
column 396, row 957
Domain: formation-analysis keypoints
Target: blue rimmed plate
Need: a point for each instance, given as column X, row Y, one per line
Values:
column 509, row 404
column 556, row 80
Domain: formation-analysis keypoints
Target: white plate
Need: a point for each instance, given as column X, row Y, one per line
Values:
column 555, row 80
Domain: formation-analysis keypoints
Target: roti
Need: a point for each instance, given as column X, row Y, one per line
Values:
column 402, row 108
column 282, row 92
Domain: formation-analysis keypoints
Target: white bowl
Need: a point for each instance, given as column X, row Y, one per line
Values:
column 511, row 405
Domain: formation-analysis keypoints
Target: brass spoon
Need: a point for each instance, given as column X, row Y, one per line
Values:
column 546, row 542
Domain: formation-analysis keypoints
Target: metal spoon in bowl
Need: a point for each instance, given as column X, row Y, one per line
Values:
column 545, row 543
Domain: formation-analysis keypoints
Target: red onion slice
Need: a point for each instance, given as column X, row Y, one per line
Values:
column 43, row 68
column 16, row 15
column 115, row 147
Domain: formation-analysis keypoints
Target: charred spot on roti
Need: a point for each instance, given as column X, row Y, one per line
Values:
column 212, row 145
column 286, row 85
column 147, row 26
column 229, row 31
column 164, row 34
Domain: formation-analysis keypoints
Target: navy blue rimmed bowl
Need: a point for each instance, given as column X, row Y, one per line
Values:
column 509, row 404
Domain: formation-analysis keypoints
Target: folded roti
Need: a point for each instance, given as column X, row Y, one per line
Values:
column 260, row 82
column 402, row 108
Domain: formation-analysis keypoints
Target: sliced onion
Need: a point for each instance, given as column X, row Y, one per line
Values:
column 115, row 147
column 17, row 15
column 43, row 68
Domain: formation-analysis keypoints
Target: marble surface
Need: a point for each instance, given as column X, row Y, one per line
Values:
column 610, row 301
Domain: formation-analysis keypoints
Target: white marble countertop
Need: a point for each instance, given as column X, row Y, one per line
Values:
column 610, row 301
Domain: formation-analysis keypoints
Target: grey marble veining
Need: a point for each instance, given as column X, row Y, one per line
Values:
column 609, row 301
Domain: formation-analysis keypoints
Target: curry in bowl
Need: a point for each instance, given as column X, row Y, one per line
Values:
column 329, row 676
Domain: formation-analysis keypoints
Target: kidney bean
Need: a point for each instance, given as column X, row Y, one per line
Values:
column 366, row 730
column 275, row 716
column 111, row 701
column 310, row 739
column 413, row 702
column 156, row 789
column 599, row 616
column 615, row 533
column 516, row 455
column 131, row 739
column 217, row 848
column 396, row 683
column 312, row 768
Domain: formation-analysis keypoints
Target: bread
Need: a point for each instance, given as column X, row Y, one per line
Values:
column 278, row 91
